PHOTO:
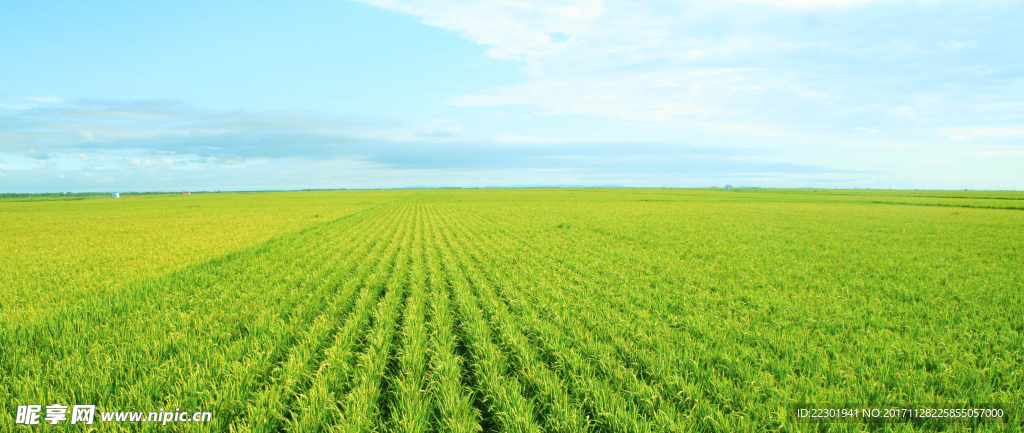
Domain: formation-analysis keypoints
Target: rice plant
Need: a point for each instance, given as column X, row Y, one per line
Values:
column 530, row 310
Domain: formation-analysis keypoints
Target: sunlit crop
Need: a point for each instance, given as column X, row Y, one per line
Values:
column 514, row 310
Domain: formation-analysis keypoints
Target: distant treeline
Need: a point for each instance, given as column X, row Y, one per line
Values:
column 50, row 194
column 78, row 194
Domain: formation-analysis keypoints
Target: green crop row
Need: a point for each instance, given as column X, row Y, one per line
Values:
column 524, row 311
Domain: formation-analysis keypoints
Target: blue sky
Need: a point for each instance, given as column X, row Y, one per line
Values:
column 103, row 96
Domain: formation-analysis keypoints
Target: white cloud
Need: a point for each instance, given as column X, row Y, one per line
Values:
column 16, row 106
column 807, row 4
column 440, row 129
column 972, row 132
column 639, row 62
column 34, row 154
column 659, row 97
column 528, row 139
column 168, row 126
column 752, row 129
column 792, row 78
column 44, row 163
column 46, row 99
column 512, row 28
column 84, row 157
column 952, row 44
column 1003, row 106
column 1000, row 153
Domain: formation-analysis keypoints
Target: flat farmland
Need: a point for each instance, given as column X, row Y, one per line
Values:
column 521, row 310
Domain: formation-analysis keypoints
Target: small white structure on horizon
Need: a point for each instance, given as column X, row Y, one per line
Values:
column 115, row 195
column 728, row 187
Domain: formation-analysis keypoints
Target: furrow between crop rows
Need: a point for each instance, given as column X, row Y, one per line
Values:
column 503, row 393
column 317, row 407
column 616, row 403
column 268, row 410
column 454, row 409
column 411, row 411
column 360, row 407
column 618, row 359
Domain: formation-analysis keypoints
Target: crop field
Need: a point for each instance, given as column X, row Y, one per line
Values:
column 529, row 310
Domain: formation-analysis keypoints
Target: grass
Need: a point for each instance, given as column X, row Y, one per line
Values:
column 626, row 310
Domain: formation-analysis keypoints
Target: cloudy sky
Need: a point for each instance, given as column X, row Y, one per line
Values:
column 214, row 95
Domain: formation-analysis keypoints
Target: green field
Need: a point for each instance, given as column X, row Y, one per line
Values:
column 620, row 310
